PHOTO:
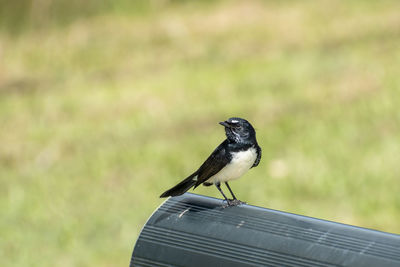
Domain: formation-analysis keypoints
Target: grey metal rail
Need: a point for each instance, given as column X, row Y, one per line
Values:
column 193, row 230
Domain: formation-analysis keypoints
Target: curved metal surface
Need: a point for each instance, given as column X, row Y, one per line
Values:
column 193, row 230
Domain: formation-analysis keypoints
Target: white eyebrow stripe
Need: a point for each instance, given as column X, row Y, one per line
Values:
column 234, row 121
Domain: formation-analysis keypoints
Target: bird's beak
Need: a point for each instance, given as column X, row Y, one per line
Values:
column 225, row 124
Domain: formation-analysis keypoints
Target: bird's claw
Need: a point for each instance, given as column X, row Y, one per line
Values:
column 233, row 202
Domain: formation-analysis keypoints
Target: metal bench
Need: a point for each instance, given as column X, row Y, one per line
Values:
column 193, row 230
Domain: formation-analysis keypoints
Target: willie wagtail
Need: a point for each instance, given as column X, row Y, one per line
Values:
column 238, row 153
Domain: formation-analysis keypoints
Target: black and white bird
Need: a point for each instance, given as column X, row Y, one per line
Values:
column 238, row 153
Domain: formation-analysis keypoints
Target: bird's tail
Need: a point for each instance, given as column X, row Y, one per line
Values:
column 182, row 187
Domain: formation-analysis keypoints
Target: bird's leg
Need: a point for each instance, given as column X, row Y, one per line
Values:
column 230, row 190
column 234, row 201
column 218, row 185
column 231, row 202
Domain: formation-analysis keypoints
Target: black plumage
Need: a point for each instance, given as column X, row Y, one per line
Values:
column 234, row 156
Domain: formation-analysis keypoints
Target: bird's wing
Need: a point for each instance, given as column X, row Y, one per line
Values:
column 258, row 157
column 214, row 163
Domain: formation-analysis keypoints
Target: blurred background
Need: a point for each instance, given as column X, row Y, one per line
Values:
column 106, row 104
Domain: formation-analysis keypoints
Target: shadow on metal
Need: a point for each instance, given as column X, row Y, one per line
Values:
column 193, row 230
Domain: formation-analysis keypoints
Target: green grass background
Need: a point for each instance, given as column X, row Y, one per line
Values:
column 106, row 104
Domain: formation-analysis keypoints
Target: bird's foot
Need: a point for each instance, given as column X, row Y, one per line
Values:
column 233, row 202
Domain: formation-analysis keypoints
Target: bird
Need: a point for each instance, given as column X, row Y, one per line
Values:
column 238, row 153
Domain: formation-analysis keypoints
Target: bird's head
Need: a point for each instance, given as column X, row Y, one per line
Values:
column 239, row 130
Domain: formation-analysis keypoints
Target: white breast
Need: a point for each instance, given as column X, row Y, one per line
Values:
column 241, row 162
